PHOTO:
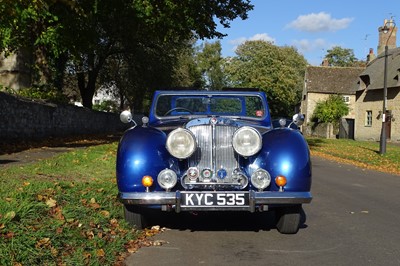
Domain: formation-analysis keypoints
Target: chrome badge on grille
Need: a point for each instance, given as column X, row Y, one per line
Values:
column 213, row 120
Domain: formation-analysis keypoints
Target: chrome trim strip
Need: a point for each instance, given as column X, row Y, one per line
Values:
column 252, row 201
column 213, row 148
column 149, row 198
column 267, row 197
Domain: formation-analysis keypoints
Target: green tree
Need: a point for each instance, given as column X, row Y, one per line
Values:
column 330, row 110
column 186, row 72
column 279, row 71
column 341, row 57
column 78, row 37
column 210, row 62
column 33, row 29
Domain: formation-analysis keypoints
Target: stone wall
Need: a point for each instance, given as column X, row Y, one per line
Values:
column 323, row 130
column 22, row 119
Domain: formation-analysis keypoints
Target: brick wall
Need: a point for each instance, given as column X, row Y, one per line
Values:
column 29, row 120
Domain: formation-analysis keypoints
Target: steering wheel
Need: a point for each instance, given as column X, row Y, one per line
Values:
column 178, row 108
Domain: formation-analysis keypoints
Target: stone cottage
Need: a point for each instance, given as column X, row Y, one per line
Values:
column 322, row 81
column 370, row 96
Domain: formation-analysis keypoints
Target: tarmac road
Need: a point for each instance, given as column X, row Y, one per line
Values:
column 353, row 219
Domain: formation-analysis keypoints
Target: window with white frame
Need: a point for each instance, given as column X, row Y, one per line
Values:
column 346, row 99
column 368, row 118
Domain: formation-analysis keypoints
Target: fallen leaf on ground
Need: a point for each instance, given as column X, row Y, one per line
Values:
column 51, row 202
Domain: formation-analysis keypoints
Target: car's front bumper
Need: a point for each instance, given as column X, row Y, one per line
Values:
column 173, row 200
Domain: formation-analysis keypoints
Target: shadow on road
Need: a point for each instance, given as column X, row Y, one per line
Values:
column 314, row 142
column 220, row 221
column 71, row 142
column 12, row 153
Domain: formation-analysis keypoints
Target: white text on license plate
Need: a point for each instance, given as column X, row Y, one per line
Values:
column 215, row 199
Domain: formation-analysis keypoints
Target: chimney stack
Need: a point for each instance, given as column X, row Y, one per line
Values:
column 388, row 38
column 325, row 62
column 371, row 56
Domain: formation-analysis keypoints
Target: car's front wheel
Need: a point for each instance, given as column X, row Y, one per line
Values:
column 288, row 219
column 136, row 217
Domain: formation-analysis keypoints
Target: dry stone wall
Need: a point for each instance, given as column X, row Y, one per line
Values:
column 22, row 119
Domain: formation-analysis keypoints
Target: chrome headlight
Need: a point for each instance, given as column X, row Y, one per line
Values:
column 167, row 179
column 247, row 141
column 181, row 143
column 261, row 179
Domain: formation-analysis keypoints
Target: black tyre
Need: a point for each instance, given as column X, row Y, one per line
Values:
column 288, row 219
column 136, row 217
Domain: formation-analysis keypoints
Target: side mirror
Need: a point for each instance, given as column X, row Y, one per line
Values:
column 125, row 117
column 298, row 119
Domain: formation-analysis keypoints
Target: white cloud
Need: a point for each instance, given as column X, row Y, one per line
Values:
column 306, row 46
column 262, row 37
column 256, row 37
column 319, row 22
column 238, row 41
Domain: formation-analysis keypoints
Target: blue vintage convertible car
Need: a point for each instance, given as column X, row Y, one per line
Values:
column 213, row 151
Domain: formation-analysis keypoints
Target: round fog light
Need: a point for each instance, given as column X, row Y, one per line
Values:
column 260, row 179
column 147, row 181
column 167, row 179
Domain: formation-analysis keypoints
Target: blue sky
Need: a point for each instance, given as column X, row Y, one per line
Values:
column 313, row 26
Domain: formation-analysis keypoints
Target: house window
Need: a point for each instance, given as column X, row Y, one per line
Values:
column 346, row 99
column 368, row 118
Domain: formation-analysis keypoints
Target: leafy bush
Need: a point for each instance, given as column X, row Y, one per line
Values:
column 330, row 110
column 43, row 92
column 106, row 106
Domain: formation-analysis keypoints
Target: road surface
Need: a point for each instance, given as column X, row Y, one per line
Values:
column 353, row 219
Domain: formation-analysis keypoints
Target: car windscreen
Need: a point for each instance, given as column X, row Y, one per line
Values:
column 229, row 105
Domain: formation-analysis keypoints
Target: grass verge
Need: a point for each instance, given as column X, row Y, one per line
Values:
column 64, row 211
column 364, row 154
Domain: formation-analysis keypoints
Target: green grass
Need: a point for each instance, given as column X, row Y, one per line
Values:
column 63, row 211
column 360, row 153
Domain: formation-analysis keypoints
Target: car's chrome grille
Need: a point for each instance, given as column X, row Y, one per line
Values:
column 214, row 152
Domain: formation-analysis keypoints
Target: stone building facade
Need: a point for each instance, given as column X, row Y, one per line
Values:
column 369, row 99
column 322, row 81
column 369, row 94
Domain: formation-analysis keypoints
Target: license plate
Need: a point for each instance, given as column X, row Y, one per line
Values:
column 205, row 199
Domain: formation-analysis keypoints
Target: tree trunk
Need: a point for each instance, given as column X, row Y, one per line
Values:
column 87, row 90
column 87, row 98
column 60, row 65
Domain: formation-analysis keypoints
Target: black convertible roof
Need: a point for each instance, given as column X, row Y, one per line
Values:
column 199, row 89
